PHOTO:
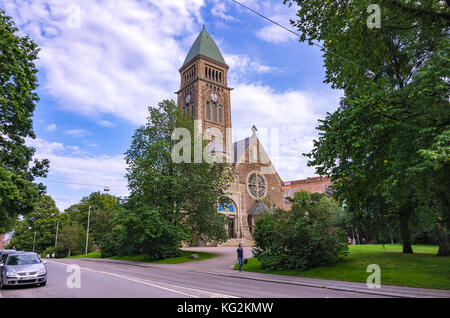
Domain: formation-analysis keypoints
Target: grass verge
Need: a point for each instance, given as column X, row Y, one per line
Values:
column 89, row 255
column 184, row 257
column 421, row 269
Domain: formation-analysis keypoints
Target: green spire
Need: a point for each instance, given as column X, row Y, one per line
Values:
column 205, row 45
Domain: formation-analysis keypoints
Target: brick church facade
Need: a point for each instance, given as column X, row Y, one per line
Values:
column 204, row 93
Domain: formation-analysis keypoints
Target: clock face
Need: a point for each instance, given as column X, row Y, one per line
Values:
column 214, row 97
column 188, row 98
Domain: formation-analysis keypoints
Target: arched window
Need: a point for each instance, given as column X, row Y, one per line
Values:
column 220, row 114
column 207, row 112
column 214, row 112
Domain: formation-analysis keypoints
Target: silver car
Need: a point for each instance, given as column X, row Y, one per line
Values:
column 22, row 268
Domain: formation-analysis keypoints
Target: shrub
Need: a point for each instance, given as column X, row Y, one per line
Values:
column 298, row 239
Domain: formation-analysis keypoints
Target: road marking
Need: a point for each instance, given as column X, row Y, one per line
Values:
column 187, row 291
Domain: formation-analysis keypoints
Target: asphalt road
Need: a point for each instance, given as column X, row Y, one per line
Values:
column 108, row 280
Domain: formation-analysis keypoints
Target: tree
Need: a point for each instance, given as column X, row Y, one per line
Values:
column 169, row 202
column 42, row 221
column 18, row 82
column 72, row 240
column 103, row 208
column 369, row 145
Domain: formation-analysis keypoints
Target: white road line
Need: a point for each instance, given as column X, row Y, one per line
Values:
column 187, row 291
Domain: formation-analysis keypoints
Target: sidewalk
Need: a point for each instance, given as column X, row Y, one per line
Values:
column 218, row 266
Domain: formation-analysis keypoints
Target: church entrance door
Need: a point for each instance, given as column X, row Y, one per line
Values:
column 230, row 227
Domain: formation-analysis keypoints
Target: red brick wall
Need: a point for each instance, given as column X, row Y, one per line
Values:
column 312, row 185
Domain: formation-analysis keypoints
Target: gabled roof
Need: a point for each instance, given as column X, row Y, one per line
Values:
column 204, row 45
column 238, row 156
column 239, row 148
column 259, row 208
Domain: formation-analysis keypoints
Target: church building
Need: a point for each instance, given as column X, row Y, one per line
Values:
column 204, row 93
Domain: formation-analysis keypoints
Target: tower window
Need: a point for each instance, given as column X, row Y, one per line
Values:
column 208, row 112
column 214, row 112
column 220, row 114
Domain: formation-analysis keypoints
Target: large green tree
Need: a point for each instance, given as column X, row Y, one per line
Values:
column 169, row 202
column 103, row 209
column 18, row 82
column 42, row 221
column 372, row 143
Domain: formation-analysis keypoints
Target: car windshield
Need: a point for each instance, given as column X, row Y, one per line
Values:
column 23, row 260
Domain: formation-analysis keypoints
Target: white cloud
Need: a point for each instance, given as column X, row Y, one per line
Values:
column 50, row 128
column 77, row 132
column 105, row 123
column 281, row 14
column 275, row 34
column 242, row 66
column 124, row 57
column 219, row 10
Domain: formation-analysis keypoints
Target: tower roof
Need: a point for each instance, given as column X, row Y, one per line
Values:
column 204, row 45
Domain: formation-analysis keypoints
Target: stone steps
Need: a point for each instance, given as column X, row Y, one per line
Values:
column 234, row 242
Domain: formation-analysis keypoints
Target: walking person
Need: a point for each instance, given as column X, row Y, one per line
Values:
column 240, row 256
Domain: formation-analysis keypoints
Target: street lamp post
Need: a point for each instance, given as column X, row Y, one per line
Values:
column 87, row 232
column 34, row 240
column 56, row 238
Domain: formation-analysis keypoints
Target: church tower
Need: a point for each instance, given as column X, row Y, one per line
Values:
column 204, row 92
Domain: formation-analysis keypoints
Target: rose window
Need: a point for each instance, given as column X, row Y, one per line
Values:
column 256, row 185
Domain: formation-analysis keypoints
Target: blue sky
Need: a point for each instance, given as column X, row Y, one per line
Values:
column 102, row 62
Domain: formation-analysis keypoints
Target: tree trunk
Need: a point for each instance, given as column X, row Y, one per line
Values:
column 404, row 229
column 444, row 246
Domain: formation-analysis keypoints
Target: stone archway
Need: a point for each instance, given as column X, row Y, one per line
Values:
column 231, row 212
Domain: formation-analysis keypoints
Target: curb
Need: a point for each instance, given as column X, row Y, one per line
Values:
column 266, row 279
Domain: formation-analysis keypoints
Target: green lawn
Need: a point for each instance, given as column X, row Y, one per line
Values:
column 141, row 258
column 89, row 255
column 421, row 269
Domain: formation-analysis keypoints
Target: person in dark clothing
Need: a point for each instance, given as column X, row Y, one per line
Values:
column 240, row 256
